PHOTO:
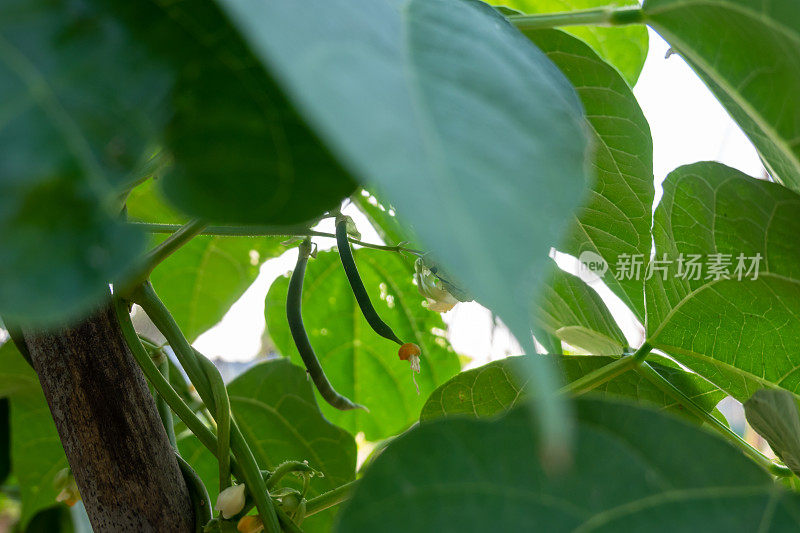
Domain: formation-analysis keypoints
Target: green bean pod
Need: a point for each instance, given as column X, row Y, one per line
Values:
column 197, row 493
column 294, row 316
column 346, row 255
column 222, row 418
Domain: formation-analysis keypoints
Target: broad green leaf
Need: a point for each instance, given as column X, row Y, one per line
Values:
column 576, row 314
column 498, row 386
column 625, row 47
column 72, row 135
column 633, row 470
column 278, row 415
column 200, row 281
column 17, row 378
column 746, row 51
column 468, row 128
column 742, row 335
column 241, row 154
column 773, row 414
column 36, row 451
column 359, row 363
column 146, row 203
column 615, row 219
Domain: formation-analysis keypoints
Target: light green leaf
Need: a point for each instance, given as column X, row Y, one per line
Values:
column 498, row 386
column 359, row 363
column 146, row 203
column 624, row 47
column 36, row 451
column 630, row 472
column 471, row 132
column 36, row 454
column 273, row 404
column 576, row 314
column 616, row 216
column 200, row 281
column 746, row 51
column 742, row 335
column 773, row 414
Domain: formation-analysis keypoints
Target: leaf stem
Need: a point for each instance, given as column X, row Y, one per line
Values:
column 330, row 498
column 671, row 390
column 160, row 384
column 607, row 372
column 249, row 472
column 268, row 231
column 154, row 257
column 604, row 16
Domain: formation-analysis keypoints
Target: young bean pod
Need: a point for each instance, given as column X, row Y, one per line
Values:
column 346, row 254
column 294, row 316
column 222, row 416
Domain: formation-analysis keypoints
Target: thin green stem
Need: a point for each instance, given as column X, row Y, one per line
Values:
column 154, row 257
column 283, row 469
column 163, row 408
column 268, row 231
column 604, row 16
column 607, row 372
column 678, row 395
column 329, row 499
column 223, row 419
column 289, row 525
column 146, row 297
column 183, row 235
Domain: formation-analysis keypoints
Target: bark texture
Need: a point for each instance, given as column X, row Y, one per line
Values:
column 124, row 466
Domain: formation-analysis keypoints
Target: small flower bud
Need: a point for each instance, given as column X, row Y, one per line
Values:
column 64, row 482
column 231, row 500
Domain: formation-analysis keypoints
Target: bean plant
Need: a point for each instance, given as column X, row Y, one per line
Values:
column 155, row 153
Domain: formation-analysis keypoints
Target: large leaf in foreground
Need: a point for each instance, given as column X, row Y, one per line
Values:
column 498, row 386
column 278, row 415
column 742, row 335
column 468, row 128
column 68, row 145
column 615, row 219
column 633, row 470
column 241, row 153
column 359, row 363
column 746, row 51
column 625, row 47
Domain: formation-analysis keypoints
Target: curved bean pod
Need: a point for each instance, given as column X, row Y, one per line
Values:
column 294, row 316
column 346, row 255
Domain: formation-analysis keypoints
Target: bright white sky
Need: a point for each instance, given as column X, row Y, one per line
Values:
column 687, row 124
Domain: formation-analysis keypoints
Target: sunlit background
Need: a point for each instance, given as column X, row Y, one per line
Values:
column 687, row 125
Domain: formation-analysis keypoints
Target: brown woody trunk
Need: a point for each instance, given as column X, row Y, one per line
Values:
column 124, row 466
